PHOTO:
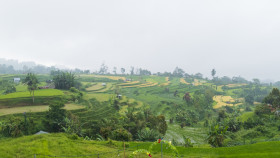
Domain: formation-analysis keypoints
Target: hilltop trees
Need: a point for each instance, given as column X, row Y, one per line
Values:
column 131, row 70
column 32, row 83
column 178, row 72
column 123, row 70
column 213, row 73
column 103, row 69
column 273, row 98
column 115, row 70
column 144, row 72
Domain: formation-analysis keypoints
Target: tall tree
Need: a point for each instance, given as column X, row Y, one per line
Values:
column 213, row 73
column 187, row 97
column 115, row 70
column 178, row 72
column 123, row 70
column 131, row 70
column 256, row 81
column 32, row 83
column 103, row 69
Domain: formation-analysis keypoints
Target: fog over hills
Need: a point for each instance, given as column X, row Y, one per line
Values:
column 234, row 37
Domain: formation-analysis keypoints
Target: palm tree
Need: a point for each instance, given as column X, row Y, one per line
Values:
column 32, row 83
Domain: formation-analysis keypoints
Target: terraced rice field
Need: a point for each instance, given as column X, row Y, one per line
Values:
column 98, row 111
column 109, row 77
column 197, row 82
column 108, row 87
column 100, row 96
column 100, row 88
column 129, row 83
column 225, row 101
column 197, row 135
column 123, row 109
column 182, row 80
column 236, row 85
column 166, row 83
column 95, row 87
column 147, row 84
column 39, row 108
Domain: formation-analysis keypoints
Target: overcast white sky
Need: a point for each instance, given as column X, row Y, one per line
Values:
column 236, row 37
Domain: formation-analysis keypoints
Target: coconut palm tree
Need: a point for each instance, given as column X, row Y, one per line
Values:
column 32, row 83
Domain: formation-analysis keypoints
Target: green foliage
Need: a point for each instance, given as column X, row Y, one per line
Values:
column 148, row 135
column 65, row 80
column 12, row 128
column 167, row 145
column 273, row 98
column 7, row 87
column 32, row 83
column 249, row 99
column 121, row 134
column 187, row 117
column 262, row 110
column 162, row 125
column 187, row 142
column 55, row 117
column 72, row 125
column 75, row 96
column 216, row 135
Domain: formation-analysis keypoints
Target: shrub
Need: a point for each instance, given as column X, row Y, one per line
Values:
column 73, row 137
column 121, row 134
column 187, row 142
column 73, row 89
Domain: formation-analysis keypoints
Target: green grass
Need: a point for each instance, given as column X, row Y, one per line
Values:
column 65, row 145
column 100, row 96
column 38, row 93
column 42, row 97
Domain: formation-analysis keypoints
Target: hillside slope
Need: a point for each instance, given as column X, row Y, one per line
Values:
column 48, row 145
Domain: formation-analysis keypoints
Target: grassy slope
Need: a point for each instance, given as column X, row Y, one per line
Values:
column 42, row 97
column 62, row 144
column 39, row 108
column 38, row 93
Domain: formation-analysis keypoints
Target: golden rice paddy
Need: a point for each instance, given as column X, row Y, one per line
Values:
column 112, row 77
column 166, row 83
column 197, row 82
column 95, row 87
column 147, row 84
column 104, row 76
column 182, row 80
column 128, row 83
column 236, row 85
column 226, row 101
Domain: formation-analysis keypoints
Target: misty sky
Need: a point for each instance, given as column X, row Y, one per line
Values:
column 234, row 37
